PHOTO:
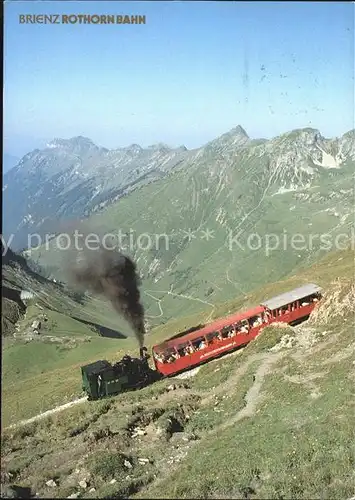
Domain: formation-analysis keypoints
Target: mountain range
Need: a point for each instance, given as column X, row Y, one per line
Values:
column 74, row 178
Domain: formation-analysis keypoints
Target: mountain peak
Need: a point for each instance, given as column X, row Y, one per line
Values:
column 159, row 145
column 240, row 131
column 133, row 148
column 75, row 142
column 308, row 135
column 235, row 138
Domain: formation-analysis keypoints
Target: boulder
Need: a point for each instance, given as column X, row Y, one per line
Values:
column 83, row 484
column 36, row 325
column 143, row 461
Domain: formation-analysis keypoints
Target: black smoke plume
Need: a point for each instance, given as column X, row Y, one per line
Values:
column 113, row 275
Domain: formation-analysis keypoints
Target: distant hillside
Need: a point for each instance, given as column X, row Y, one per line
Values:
column 22, row 287
column 74, row 177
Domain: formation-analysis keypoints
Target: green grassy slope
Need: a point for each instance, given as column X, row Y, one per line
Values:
column 255, row 424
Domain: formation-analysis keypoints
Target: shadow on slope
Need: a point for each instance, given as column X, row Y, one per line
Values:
column 103, row 331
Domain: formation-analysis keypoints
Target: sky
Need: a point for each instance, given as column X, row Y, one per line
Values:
column 191, row 73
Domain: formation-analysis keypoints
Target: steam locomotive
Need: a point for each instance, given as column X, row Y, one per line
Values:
column 102, row 379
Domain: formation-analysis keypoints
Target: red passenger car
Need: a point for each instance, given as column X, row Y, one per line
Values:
column 192, row 348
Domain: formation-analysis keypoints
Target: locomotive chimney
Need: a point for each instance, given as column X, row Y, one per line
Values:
column 143, row 353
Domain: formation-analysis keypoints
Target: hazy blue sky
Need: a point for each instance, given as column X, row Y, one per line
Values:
column 194, row 71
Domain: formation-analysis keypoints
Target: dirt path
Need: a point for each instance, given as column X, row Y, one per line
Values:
column 231, row 382
column 48, row 413
column 254, row 395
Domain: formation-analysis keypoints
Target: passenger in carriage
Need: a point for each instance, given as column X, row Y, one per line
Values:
column 219, row 336
column 238, row 327
column 189, row 349
column 202, row 345
column 159, row 357
column 257, row 322
column 232, row 332
column 244, row 328
column 173, row 357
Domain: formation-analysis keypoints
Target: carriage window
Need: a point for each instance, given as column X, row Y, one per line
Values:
column 185, row 349
column 242, row 326
column 232, row 331
column 199, row 343
column 255, row 321
column 211, row 337
column 316, row 297
column 167, row 356
column 225, row 331
column 305, row 301
column 182, row 349
column 158, row 356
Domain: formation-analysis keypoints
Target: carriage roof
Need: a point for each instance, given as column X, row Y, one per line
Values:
column 292, row 296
